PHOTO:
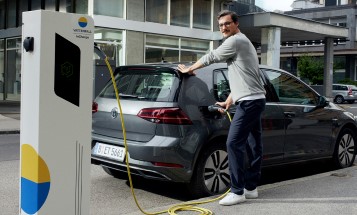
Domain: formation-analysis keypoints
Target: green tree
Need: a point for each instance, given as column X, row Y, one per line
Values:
column 311, row 68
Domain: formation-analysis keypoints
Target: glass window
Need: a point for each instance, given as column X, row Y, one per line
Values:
column 290, row 90
column 2, row 64
column 174, row 49
column 50, row 5
column 161, row 49
column 202, row 14
column 180, row 13
column 110, row 41
column 24, row 6
column 82, row 6
column 153, row 55
column 190, row 56
column 2, row 14
column 144, row 84
column 156, row 11
column 13, row 69
column 65, row 6
column 221, row 85
column 195, row 44
column 35, row 4
column 11, row 14
column 109, row 8
column 162, row 41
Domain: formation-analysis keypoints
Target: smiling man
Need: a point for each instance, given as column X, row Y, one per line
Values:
column 248, row 94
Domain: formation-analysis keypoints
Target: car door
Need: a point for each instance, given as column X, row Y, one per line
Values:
column 272, row 118
column 307, row 128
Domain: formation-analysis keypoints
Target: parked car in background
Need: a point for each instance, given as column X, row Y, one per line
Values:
column 172, row 136
column 344, row 93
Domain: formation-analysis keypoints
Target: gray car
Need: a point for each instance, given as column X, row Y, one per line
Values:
column 172, row 135
column 344, row 92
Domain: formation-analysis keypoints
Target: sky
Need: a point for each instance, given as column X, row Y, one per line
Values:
column 271, row 5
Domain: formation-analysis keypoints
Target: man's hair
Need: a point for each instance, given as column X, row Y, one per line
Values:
column 233, row 15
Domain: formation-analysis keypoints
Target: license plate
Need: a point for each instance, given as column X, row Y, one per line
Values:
column 109, row 151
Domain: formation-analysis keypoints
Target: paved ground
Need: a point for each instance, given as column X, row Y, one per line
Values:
column 328, row 193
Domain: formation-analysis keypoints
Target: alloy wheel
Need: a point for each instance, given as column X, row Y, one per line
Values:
column 346, row 150
column 216, row 172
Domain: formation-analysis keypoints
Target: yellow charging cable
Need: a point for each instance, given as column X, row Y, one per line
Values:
column 189, row 206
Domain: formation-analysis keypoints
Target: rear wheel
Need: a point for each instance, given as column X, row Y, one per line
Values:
column 339, row 99
column 211, row 176
column 345, row 149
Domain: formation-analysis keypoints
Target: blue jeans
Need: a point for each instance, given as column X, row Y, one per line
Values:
column 245, row 135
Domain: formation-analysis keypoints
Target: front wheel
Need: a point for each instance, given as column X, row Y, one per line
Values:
column 211, row 176
column 339, row 99
column 345, row 149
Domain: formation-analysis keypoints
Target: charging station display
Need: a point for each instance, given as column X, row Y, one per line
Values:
column 67, row 69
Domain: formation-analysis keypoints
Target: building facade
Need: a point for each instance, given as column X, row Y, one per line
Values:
column 146, row 31
column 341, row 13
column 129, row 31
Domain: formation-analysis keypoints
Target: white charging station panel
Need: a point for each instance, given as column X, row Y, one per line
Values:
column 57, row 71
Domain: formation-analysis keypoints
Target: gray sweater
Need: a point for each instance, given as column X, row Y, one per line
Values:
column 243, row 65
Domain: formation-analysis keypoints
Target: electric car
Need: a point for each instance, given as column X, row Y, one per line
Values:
column 172, row 135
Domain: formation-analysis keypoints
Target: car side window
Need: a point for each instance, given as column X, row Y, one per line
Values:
column 289, row 89
column 222, row 90
column 221, row 85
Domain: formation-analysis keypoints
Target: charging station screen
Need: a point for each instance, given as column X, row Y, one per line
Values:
column 67, row 70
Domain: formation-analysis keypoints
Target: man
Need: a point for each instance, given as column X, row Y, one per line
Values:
column 248, row 93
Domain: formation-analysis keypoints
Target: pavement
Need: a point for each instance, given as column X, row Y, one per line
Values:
column 332, row 192
column 323, row 194
column 9, row 117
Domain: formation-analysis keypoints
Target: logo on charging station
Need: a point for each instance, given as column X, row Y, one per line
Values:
column 35, row 180
column 82, row 22
column 82, row 32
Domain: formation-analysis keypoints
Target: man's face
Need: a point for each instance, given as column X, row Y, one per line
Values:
column 227, row 26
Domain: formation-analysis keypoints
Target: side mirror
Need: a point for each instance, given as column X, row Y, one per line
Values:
column 323, row 102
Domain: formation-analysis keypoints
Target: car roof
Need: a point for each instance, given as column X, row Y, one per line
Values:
column 174, row 65
column 343, row 84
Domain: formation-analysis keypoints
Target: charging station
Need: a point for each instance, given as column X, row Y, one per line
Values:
column 57, row 79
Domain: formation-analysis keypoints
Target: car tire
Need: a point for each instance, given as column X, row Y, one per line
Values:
column 339, row 99
column 345, row 149
column 211, row 175
column 115, row 173
column 351, row 101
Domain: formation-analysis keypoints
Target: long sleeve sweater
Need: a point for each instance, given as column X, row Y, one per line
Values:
column 243, row 65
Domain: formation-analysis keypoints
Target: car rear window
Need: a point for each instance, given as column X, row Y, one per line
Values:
column 144, row 84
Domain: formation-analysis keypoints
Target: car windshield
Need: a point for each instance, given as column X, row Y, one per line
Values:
column 144, row 84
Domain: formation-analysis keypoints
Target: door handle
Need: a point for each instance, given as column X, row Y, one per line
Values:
column 289, row 114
